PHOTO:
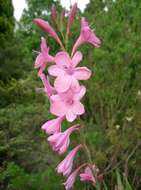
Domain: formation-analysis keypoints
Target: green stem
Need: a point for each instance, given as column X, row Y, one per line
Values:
column 86, row 149
column 88, row 153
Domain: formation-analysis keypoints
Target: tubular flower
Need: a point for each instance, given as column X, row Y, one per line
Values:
column 86, row 36
column 47, row 86
column 53, row 126
column 65, row 68
column 66, row 165
column 68, row 103
column 87, row 175
column 71, row 179
column 43, row 58
column 60, row 141
column 47, row 28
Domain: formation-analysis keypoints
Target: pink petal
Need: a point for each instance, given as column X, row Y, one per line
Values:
column 87, row 175
column 45, row 51
column 62, row 59
column 43, row 45
column 65, row 167
column 70, row 116
column 58, row 108
column 52, row 126
column 53, row 138
column 62, row 83
column 77, row 58
column 94, row 40
column 48, row 88
column 78, row 108
column 55, row 97
column 71, row 179
column 75, row 84
column 55, row 71
column 80, row 93
column 82, row 73
column 39, row 61
column 65, row 146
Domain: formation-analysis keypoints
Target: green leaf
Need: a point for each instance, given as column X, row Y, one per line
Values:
column 119, row 181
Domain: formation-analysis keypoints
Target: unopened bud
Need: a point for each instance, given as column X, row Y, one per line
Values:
column 53, row 13
column 71, row 17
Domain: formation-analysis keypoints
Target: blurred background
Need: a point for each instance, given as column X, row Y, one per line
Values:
column 113, row 100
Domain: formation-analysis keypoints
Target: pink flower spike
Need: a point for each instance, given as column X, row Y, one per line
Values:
column 47, row 86
column 53, row 126
column 43, row 58
column 71, row 17
column 65, row 68
column 66, row 165
column 47, row 28
column 68, row 104
column 86, row 36
column 60, row 141
column 87, row 175
column 53, row 13
column 71, row 179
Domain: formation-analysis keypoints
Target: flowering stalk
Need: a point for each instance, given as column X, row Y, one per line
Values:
column 65, row 94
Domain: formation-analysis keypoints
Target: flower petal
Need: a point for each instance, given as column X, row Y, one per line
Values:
column 62, row 83
column 65, row 146
column 52, row 126
column 77, row 58
column 82, row 73
column 70, row 116
column 55, row 71
column 75, row 84
column 80, row 93
column 62, row 59
column 43, row 45
column 78, row 108
column 58, row 108
column 39, row 61
column 55, row 97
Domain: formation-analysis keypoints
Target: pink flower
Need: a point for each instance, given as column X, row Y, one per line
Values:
column 60, row 141
column 53, row 126
column 68, row 104
column 87, row 175
column 66, row 165
column 86, row 36
column 66, row 71
column 47, row 28
column 43, row 58
column 71, row 17
column 47, row 86
column 71, row 179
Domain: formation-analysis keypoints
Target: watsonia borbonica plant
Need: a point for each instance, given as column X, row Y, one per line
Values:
column 65, row 93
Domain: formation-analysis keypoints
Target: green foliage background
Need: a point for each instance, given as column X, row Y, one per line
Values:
column 113, row 101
